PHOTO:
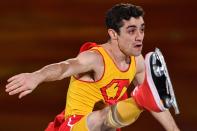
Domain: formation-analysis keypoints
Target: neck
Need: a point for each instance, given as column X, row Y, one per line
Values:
column 115, row 52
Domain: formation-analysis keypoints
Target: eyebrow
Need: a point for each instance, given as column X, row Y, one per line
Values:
column 130, row 26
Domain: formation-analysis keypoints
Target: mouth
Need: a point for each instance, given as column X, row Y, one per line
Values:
column 138, row 46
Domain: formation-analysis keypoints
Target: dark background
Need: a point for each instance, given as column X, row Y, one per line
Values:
column 34, row 33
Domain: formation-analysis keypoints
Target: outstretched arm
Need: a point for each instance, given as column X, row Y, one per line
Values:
column 164, row 118
column 25, row 83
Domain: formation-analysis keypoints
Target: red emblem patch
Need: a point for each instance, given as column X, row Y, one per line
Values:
column 115, row 90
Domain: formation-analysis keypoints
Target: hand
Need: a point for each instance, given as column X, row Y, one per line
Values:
column 23, row 84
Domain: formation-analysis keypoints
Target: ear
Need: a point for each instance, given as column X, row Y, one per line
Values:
column 113, row 34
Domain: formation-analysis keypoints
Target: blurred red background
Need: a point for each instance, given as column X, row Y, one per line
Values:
column 35, row 33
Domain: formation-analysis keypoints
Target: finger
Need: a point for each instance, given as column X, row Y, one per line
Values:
column 17, row 90
column 12, row 83
column 13, row 78
column 13, row 87
column 24, row 93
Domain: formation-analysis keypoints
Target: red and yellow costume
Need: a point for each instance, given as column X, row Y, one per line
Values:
column 82, row 95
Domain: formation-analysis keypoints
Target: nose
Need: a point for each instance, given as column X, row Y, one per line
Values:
column 139, row 36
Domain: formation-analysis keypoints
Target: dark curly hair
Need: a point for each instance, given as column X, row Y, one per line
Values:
column 120, row 12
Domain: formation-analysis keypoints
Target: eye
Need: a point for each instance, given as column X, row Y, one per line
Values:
column 142, row 29
column 131, row 31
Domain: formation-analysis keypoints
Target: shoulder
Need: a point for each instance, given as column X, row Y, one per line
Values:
column 90, row 57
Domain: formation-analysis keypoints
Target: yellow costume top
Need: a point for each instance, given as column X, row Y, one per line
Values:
column 82, row 95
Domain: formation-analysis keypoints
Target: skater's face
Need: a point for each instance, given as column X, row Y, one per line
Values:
column 131, row 36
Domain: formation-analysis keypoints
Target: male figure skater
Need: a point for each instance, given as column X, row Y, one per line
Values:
column 103, row 73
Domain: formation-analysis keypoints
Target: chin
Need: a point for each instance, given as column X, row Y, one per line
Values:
column 135, row 53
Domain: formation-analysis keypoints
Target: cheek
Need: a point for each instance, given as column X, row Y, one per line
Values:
column 127, row 39
column 130, row 39
column 126, row 43
column 126, row 47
